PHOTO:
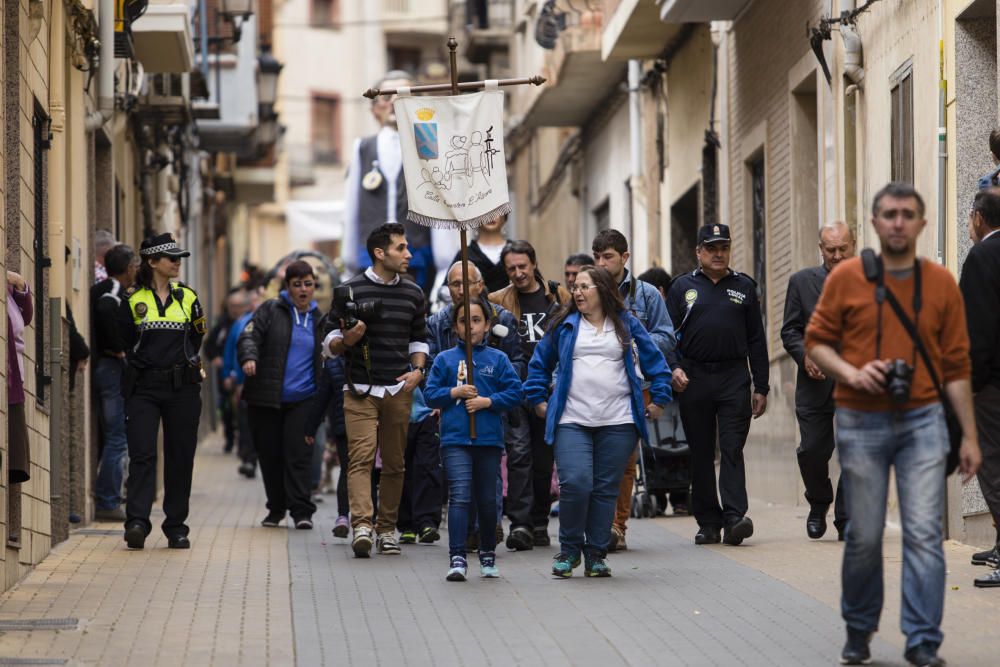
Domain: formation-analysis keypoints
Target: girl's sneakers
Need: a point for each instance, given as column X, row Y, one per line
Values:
column 488, row 565
column 563, row 564
column 596, row 567
column 459, row 568
column 342, row 527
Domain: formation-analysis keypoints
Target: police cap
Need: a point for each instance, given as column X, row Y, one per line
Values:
column 713, row 234
column 162, row 244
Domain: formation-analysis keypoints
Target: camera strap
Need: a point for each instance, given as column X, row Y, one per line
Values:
column 874, row 273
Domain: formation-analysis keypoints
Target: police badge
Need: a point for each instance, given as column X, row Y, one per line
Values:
column 141, row 309
column 373, row 178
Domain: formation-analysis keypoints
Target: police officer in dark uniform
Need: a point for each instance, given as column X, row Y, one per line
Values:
column 162, row 324
column 719, row 326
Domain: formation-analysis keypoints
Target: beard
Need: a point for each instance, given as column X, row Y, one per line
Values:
column 896, row 250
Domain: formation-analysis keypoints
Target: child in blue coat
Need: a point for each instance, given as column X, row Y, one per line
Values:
column 472, row 464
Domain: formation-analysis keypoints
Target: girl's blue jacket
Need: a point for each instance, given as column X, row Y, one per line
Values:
column 495, row 378
column 557, row 348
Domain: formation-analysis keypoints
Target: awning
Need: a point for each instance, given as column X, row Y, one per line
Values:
column 310, row 221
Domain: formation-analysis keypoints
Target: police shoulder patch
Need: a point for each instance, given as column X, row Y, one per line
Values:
column 249, row 327
column 131, row 290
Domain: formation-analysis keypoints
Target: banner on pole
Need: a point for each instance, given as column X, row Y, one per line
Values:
column 453, row 158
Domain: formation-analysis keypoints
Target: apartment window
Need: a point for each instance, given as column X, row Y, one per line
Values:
column 324, row 13
column 404, row 58
column 326, row 129
column 759, row 223
column 902, row 123
column 602, row 216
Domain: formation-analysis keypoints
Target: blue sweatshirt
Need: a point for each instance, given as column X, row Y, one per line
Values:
column 299, row 383
column 230, row 364
column 495, row 378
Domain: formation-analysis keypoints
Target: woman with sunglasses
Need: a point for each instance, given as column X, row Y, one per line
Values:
column 595, row 412
column 162, row 325
column 279, row 351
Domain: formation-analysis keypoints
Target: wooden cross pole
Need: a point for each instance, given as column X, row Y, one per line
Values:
column 455, row 88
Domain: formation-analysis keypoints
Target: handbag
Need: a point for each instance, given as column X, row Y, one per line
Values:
column 872, row 265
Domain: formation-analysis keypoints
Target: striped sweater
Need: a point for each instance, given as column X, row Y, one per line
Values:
column 402, row 322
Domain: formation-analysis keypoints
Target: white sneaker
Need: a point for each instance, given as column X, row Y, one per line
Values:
column 387, row 545
column 362, row 543
column 459, row 569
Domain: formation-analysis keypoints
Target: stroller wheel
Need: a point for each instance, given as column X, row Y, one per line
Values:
column 654, row 506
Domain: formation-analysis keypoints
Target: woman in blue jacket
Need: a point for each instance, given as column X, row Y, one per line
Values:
column 472, row 464
column 595, row 413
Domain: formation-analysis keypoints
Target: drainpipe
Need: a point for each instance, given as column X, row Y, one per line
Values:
column 106, row 69
column 853, row 66
column 640, row 251
column 57, row 242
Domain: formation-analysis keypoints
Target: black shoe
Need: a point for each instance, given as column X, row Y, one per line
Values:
column 708, row 535
column 135, row 536
column 178, row 542
column 520, row 539
column 856, row 650
column 540, row 537
column 248, row 470
column 990, row 557
column 304, row 523
column 841, row 527
column 816, row 522
column 273, row 519
column 738, row 531
column 429, row 535
column 924, row 655
column 991, row 580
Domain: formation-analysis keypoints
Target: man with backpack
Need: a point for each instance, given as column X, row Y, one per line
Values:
column 533, row 301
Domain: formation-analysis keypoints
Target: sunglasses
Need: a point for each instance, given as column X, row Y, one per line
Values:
column 175, row 260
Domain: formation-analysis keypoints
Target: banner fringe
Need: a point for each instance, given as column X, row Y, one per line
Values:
column 478, row 221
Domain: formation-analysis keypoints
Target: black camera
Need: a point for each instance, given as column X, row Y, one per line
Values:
column 352, row 311
column 898, row 380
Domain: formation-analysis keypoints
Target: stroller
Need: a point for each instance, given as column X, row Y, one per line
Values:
column 664, row 465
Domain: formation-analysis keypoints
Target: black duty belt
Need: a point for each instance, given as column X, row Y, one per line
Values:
column 714, row 366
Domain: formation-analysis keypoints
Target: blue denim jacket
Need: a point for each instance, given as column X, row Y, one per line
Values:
column 557, row 348
column 649, row 307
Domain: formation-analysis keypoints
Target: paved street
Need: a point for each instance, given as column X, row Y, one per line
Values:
column 247, row 595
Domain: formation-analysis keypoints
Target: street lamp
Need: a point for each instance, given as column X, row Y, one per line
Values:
column 268, row 69
column 233, row 10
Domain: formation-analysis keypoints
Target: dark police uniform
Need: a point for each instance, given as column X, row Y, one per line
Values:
column 163, row 381
column 718, row 327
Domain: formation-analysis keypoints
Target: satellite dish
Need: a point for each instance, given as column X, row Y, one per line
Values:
column 550, row 23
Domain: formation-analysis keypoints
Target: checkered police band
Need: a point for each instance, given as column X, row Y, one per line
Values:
column 164, row 248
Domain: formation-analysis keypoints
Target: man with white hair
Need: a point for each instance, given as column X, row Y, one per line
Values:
column 814, row 406
column 103, row 242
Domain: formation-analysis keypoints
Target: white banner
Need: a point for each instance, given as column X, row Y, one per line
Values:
column 453, row 158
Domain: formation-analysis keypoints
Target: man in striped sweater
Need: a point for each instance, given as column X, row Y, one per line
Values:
column 385, row 355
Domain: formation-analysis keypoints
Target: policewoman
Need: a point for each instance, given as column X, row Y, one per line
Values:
column 162, row 324
column 719, row 329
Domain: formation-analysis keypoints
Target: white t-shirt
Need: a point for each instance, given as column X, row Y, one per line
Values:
column 600, row 394
column 492, row 252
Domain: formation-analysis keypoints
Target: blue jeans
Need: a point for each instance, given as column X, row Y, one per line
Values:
column 915, row 442
column 111, row 470
column 591, row 462
column 472, row 471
